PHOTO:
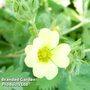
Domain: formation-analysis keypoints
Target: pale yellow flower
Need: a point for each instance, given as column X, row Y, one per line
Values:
column 2, row 3
column 79, row 6
column 45, row 55
column 64, row 3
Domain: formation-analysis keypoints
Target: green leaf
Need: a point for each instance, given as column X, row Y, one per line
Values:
column 43, row 20
column 85, row 69
column 62, row 2
column 86, row 40
column 6, row 61
column 35, row 4
column 32, row 86
column 13, row 31
column 26, row 10
column 63, row 21
column 86, row 36
column 79, row 83
column 56, row 8
column 12, row 73
column 63, row 81
column 76, row 58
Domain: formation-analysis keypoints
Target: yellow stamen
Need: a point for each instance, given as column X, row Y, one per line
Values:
column 44, row 54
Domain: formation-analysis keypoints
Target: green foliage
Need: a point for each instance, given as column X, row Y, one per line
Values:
column 15, row 29
column 31, row 86
column 63, row 21
column 72, row 14
column 82, row 81
column 11, row 73
column 45, row 84
column 55, row 7
column 41, row 20
column 85, row 69
column 76, row 58
column 86, row 36
column 20, row 22
column 24, row 10
column 79, row 83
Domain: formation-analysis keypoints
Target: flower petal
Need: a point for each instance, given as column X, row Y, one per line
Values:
column 60, row 55
column 43, row 32
column 62, row 49
column 51, row 71
column 61, row 61
column 38, row 43
column 28, row 49
column 28, row 61
column 38, row 70
column 31, row 56
column 50, row 37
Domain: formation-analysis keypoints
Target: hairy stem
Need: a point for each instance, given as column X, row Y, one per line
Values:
column 76, row 27
column 87, row 50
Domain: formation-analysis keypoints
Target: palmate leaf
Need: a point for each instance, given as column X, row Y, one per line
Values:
column 43, row 22
column 25, row 10
column 12, row 73
column 82, row 81
column 13, row 31
column 79, row 83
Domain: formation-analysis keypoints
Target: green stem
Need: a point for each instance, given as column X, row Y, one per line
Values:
column 4, row 43
column 46, row 5
column 76, row 27
column 35, row 29
column 11, row 55
column 87, row 50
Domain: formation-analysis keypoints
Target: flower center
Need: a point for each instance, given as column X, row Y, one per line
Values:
column 44, row 54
